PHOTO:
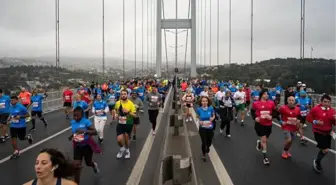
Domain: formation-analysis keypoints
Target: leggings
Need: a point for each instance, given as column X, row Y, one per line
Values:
column 225, row 123
column 206, row 137
column 152, row 117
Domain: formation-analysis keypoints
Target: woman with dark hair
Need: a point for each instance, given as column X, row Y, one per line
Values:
column 206, row 115
column 262, row 112
column 323, row 118
column 52, row 168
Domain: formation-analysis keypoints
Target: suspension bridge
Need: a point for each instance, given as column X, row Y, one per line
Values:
column 232, row 161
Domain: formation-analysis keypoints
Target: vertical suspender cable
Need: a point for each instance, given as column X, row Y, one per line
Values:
column 142, row 38
column 165, row 37
column 186, row 45
column 135, row 40
column 201, row 34
column 210, row 54
column 176, row 41
column 57, row 35
column 151, row 35
column 205, row 7
column 124, row 39
column 147, row 36
column 251, row 31
column 217, row 32
column 230, row 19
column 103, row 41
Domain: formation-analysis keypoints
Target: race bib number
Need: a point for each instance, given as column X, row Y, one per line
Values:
column 265, row 114
column 188, row 98
column 273, row 97
column 78, row 137
column 256, row 98
column 278, row 92
column 122, row 119
column 99, row 112
column 15, row 121
column 35, row 104
column 2, row 105
column 154, row 98
column 291, row 121
column 206, row 124
column 141, row 94
column 303, row 113
column 67, row 97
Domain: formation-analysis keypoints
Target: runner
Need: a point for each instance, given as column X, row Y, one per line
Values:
column 205, row 115
column 323, row 118
column 188, row 100
column 4, row 115
column 67, row 99
column 99, row 109
column 36, row 109
column 25, row 99
column 262, row 112
column 80, row 103
column 290, row 122
column 139, row 106
column 154, row 101
column 51, row 167
column 247, row 91
column 304, row 103
column 111, row 101
column 226, row 106
column 17, row 117
column 83, row 144
column 239, row 98
column 125, row 111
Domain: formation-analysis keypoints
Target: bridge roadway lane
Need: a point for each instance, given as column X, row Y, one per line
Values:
column 56, row 122
column 113, row 171
column 244, row 163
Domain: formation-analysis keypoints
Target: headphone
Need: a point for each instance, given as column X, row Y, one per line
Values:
column 54, row 168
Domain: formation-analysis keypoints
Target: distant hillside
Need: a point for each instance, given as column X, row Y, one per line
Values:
column 319, row 74
column 14, row 77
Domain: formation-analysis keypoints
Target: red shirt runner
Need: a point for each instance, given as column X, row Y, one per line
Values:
column 67, row 96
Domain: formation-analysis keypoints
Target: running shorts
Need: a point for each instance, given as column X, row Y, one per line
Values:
column 4, row 118
column 35, row 113
column 136, row 120
column 81, row 152
column 67, row 104
column 303, row 119
column 263, row 130
column 323, row 140
column 111, row 107
column 240, row 107
column 18, row 133
column 124, row 129
column 289, row 134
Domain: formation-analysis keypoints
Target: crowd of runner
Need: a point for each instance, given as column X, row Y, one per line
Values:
column 224, row 101
column 123, row 101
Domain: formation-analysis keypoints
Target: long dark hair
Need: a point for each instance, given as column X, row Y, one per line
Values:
column 65, row 168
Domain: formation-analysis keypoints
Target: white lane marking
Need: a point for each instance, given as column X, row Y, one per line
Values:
column 308, row 139
column 137, row 171
column 38, row 143
column 222, row 174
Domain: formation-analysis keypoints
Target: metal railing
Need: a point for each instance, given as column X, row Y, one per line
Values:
column 54, row 101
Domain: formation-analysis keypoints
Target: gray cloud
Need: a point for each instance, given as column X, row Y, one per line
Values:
column 27, row 29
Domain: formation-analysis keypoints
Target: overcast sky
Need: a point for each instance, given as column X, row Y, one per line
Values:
column 27, row 28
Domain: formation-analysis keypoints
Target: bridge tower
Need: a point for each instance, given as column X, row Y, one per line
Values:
column 175, row 24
